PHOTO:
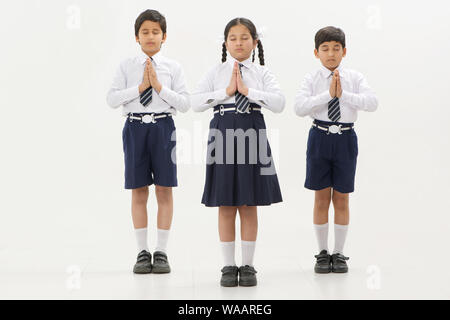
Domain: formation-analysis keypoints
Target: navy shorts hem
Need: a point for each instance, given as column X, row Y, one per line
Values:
column 128, row 187
column 310, row 187
column 172, row 185
column 344, row 190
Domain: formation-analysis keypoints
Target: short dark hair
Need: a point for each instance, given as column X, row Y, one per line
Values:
column 329, row 34
column 151, row 15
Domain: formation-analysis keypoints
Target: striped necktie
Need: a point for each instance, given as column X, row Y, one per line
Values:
column 146, row 95
column 241, row 101
column 334, row 112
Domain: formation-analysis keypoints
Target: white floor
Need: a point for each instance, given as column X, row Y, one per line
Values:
column 101, row 273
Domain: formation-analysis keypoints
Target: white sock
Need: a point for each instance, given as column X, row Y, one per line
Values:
column 340, row 233
column 162, row 239
column 228, row 253
column 322, row 235
column 248, row 252
column 141, row 238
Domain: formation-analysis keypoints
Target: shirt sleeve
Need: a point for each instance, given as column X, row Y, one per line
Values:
column 119, row 94
column 204, row 96
column 271, row 96
column 176, row 96
column 365, row 99
column 305, row 102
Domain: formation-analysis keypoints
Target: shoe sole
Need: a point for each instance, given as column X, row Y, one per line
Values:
column 142, row 270
column 340, row 271
column 318, row 270
column 160, row 270
column 229, row 284
column 247, row 284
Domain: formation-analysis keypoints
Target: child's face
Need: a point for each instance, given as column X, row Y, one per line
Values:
column 150, row 37
column 240, row 43
column 330, row 54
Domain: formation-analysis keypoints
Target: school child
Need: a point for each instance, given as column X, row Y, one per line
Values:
column 240, row 173
column 332, row 97
column 151, row 88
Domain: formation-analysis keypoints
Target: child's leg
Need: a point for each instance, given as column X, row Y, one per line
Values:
column 341, row 219
column 227, row 226
column 139, row 198
column 322, row 202
column 249, row 230
column 165, row 213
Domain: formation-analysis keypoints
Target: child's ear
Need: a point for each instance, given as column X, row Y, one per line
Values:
column 137, row 39
column 164, row 38
column 345, row 52
column 316, row 53
column 255, row 43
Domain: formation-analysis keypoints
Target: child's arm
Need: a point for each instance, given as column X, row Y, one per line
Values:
column 204, row 97
column 177, row 97
column 364, row 100
column 271, row 97
column 119, row 94
column 305, row 102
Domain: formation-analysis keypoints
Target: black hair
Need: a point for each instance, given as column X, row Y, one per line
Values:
column 329, row 34
column 151, row 15
column 252, row 29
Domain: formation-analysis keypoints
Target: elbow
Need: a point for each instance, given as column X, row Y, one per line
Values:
column 112, row 102
column 299, row 111
column 373, row 105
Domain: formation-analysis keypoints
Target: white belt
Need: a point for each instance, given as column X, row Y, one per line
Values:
column 149, row 118
column 333, row 128
column 222, row 110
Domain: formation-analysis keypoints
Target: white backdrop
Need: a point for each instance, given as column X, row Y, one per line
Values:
column 62, row 201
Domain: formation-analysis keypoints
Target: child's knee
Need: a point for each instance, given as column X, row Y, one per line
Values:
column 140, row 195
column 340, row 201
column 163, row 194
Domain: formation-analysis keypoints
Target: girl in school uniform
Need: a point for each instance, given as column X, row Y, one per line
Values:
column 240, row 172
column 151, row 88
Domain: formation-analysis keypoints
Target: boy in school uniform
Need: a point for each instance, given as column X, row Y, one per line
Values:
column 332, row 97
column 151, row 88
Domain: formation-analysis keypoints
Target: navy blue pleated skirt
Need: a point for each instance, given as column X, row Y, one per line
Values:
column 240, row 169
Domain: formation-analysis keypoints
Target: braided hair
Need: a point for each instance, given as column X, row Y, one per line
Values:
column 252, row 29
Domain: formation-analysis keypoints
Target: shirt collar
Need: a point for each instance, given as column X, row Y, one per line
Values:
column 247, row 63
column 326, row 72
column 156, row 57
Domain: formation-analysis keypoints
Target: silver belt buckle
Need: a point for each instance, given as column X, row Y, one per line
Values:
column 335, row 129
column 149, row 118
column 221, row 110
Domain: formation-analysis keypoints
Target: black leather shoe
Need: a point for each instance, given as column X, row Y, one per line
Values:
column 339, row 264
column 323, row 263
column 247, row 276
column 229, row 276
column 143, row 263
column 160, row 262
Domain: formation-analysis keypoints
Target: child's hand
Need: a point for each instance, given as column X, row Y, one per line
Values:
column 242, row 88
column 232, row 87
column 153, row 78
column 333, row 85
column 338, row 84
column 145, row 81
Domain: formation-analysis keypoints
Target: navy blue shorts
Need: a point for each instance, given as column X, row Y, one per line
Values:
column 148, row 150
column 249, row 182
column 331, row 159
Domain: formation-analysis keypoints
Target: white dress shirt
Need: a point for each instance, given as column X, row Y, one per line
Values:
column 314, row 94
column 264, row 89
column 125, row 87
